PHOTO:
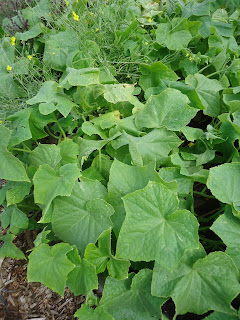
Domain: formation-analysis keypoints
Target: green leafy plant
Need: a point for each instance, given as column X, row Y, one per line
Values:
column 123, row 154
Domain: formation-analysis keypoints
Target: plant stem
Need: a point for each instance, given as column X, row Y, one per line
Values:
column 61, row 129
column 51, row 134
column 203, row 195
column 22, row 150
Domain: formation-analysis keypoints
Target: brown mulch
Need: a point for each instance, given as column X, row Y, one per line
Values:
column 21, row 300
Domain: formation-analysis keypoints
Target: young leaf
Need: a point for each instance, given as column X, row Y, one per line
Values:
column 196, row 278
column 154, row 229
column 169, row 109
column 102, row 257
column 11, row 168
column 184, row 183
column 50, row 266
column 8, row 249
column 131, row 298
column 208, row 92
column 87, row 313
column 83, row 278
column 15, row 218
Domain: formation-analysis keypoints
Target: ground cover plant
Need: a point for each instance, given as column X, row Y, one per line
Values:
column 119, row 144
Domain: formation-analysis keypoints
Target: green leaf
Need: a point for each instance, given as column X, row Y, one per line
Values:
column 132, row 178
column 154, row 146
column 57, row 48
column 17, row 192
column 45, row 154
column 31, row 33
column 50, row 100
column 42, row 238
column 80, row 77
column 101, row 257
column 118, row 92
column 83, row 278
column 184, row 183
column 196, row 278
column 8, row 249
column 38, row 121
column 80, row 218
column 221, row 316
column 69, row 151
column 169, row 109
column 175, row 35
column 153, row 75
column 11, row 168
column 49, row 184
column 227, row 227
column 107, row 120
column 87, row 313
column 223, row 183
column 131, row 298
column 15, row 218
column 20, row 125
column 154, row 228
column 86, row 147
column 208, row 92
column 50, row 266
column 192, row 134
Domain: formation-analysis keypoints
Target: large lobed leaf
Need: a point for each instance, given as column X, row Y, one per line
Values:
column 154, row 228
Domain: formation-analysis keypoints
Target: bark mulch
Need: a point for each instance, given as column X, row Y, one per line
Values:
column 20, row 300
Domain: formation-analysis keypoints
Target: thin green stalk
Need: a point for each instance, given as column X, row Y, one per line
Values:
column 201, row 70
column 61, row 129
column 203, row 195
column 22, row 150
column 210, row 240
column 51, row 134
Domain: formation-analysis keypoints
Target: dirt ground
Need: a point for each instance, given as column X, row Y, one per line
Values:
column 20, row 300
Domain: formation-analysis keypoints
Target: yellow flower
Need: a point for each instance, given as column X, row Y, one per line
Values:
column 97, row 30
column 75, row 16
column 13, row 41
column 0, row 122
column 29, row 57
column 9, row 68
column 77, row 1
column 91, row 14
column 146, row 43
column 67, row 2
column 149, row 20
column 53, row 53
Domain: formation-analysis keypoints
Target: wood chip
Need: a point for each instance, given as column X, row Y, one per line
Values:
column 10, row 299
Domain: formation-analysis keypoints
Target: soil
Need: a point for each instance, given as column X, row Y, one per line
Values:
column 21, row 300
